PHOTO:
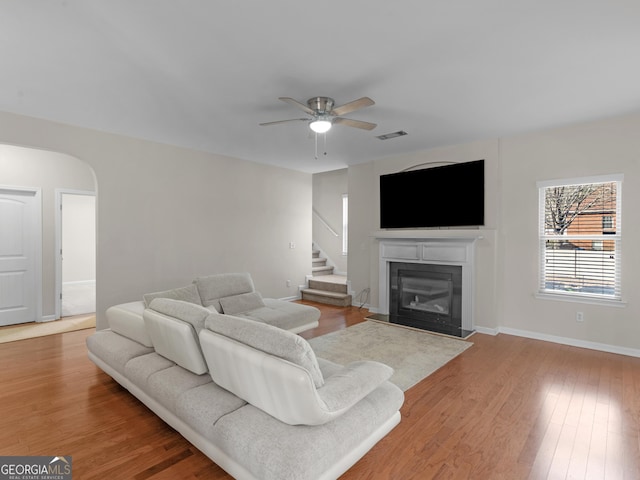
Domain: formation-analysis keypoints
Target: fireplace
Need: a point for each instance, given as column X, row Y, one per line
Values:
column 427, row 296
column 428, row 283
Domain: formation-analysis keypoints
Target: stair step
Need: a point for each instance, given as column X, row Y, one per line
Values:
column 329, row 298
column 319, row 271
column 319, row 283
column 315, row 253
column 318, row 262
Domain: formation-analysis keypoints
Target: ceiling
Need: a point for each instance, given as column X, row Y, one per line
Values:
column 204, row 74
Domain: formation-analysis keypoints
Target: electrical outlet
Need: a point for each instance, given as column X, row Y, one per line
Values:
column 288, row 283
column 292, row 245
column 579, row 317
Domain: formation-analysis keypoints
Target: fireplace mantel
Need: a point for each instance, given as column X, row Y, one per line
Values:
column 439, row 247
column 443, row 234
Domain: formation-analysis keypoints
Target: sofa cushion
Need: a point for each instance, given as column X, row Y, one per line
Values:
column 167, row 385
column 268, row 339
column 174, row 338
column 201, row 407
column 187, row 294
column 139, row 369
column 244, row 302
column 126, row 320
column 114, row 349
column 193, row 314
column 214, row 287
column 286, row 315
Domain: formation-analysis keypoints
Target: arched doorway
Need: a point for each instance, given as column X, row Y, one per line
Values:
column 47, row 173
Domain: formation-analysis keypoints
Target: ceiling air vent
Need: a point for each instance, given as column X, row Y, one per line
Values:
column 387, row 136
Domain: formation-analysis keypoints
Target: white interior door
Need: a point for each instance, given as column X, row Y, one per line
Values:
column 19, row 237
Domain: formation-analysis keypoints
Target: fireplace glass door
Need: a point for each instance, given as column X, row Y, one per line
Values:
column 426, row 294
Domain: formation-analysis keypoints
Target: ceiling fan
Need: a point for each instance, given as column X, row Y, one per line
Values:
column 324, row 114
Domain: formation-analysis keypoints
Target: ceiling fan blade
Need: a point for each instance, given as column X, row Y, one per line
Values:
column 284, row 121
column 352, row 106
column 296, row 103
column 354, row 123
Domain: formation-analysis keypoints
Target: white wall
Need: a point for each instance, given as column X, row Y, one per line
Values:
column 167, row 214
column 328, row 189
column 362, row 221
column 507, row 261
column 604, row 147
column 48, row 171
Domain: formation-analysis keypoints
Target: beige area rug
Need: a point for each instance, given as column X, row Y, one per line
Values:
column 31, row 330
column 412, row 353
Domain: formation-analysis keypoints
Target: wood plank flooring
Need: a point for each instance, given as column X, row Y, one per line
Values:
column 507, row 408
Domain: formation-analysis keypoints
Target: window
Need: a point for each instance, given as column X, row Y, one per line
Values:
column 345, row 224
column 580, row 237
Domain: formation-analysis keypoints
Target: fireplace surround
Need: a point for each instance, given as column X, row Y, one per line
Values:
column 427, row 296
column 435, row 289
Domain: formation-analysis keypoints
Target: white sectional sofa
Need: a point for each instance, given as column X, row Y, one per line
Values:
column 250, row 394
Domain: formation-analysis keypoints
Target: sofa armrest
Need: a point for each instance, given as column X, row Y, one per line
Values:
column 352, row 383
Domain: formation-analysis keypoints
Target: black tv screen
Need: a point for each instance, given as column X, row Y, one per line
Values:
column 445, row 196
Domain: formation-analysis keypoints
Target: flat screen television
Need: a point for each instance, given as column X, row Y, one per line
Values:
column 444, row 196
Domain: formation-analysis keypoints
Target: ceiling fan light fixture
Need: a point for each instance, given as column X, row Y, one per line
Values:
column 320, row 125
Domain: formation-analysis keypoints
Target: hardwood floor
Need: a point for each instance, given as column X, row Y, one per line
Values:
column 506, row 408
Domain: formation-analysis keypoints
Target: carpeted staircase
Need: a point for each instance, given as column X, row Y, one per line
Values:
column 324, row 286
column 319, row 265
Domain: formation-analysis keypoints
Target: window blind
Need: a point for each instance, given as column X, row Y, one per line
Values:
column 580, row 232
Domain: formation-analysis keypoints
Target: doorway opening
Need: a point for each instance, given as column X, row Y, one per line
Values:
column 76, row 252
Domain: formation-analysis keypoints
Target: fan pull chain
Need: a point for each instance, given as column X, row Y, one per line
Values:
column 324, row 135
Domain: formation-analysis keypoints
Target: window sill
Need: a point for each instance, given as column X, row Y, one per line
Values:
column 605, row 302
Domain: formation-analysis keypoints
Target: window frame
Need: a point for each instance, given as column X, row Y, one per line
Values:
column 614, row 299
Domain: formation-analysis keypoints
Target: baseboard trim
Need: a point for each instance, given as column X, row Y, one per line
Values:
column 603, row 347
column 47, row 318
column 487, row 330
column 289, row 299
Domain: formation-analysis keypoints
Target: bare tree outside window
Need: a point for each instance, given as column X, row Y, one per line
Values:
column 564, row 204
